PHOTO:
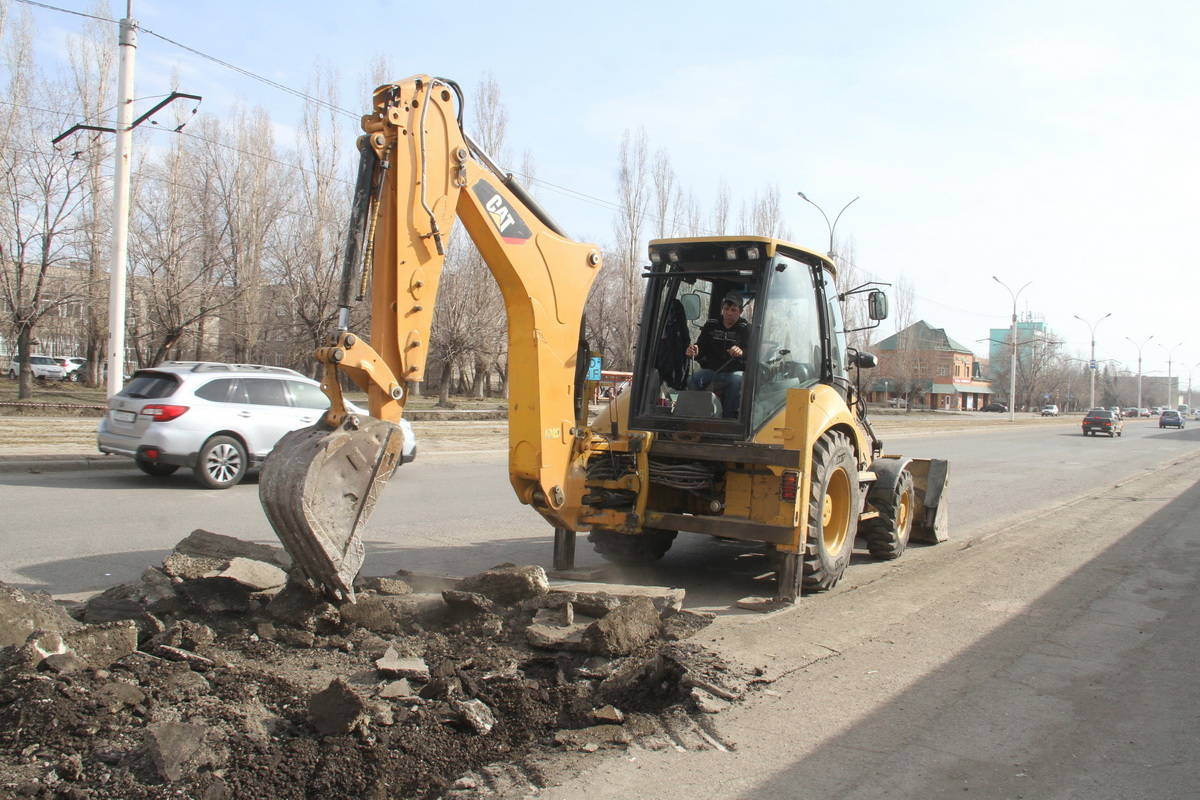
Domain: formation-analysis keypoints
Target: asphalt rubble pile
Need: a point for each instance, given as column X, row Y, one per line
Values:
column 217, row 675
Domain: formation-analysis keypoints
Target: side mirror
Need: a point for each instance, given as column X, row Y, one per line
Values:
column 866, row 360
column 691, row 305
column 877, row 306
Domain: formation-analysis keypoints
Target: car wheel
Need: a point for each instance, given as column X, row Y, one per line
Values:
column 155, row 468
column 221, row 463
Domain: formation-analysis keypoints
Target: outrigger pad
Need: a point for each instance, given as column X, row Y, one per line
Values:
column 319, row 485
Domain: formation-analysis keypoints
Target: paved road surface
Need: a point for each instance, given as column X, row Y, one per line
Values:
column 1048, row 651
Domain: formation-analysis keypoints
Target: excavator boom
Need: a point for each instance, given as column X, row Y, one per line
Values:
column 419, row 173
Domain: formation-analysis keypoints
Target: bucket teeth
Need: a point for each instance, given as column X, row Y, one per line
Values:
column 318, row 486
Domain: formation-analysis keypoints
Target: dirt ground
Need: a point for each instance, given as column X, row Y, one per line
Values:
column 293, row 697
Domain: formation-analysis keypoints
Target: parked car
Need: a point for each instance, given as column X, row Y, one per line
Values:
column 995, row 407
column 1143, row 412
column 76, row 368
column 1050, row 410
column 1116, row 410
column 1170, row 419
column 46, row 367
column 1102, row 420
column 1130, row 413
column 219, row 420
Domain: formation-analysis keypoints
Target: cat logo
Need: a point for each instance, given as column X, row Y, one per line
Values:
column 511, row 227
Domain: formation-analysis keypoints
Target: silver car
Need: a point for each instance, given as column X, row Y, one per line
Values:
column 220, row 420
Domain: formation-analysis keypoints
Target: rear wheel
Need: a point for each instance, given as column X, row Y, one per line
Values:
column 221, row 463
column 155, row 468
column 833, row 507
column 887, row 534
column 622, row 548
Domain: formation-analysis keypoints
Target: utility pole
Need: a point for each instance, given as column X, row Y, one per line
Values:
column 127, row 47
column 1139, row 349
column 1012, row 339
column 1172, row 396
column 122, row 159
column 1092, row 358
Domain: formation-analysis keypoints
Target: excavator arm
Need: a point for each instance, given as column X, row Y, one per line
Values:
column 420, row 172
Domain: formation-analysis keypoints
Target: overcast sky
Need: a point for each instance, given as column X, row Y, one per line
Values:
column 1049, row 143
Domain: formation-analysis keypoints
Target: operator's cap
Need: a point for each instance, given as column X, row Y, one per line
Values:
column 733, row 297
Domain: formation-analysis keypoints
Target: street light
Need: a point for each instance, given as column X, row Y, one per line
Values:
column 832, row 227
column 1139, row 349
column 1092, row 358
column 1012, row 340
column 1172, row 402
column 1192, row 367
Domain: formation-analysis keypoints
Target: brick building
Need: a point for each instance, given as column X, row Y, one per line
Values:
column 923, row 364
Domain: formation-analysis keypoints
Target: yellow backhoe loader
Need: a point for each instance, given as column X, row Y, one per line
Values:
column 770, row 445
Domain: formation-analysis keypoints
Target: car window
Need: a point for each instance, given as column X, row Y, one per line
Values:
column 265, row 391
column 150, row 385
column 305, row 395
column 40, row 360
column 217, row 391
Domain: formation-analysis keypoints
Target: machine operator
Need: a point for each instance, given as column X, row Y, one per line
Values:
column 721, row 349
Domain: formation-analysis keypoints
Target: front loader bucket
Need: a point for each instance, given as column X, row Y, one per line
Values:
column 931, row 480
column 319, row 485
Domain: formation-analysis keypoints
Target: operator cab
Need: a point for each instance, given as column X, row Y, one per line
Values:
column 795, row 336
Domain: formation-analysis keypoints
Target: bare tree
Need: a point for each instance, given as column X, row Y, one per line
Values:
column 634, row 196
column 305, row 252
column 721, row 207
column 41, row 191
column 667, row 198
column 90, row 56
column 248, row 179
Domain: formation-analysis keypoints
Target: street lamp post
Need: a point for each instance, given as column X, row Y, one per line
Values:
column 1172, row 402
column 1012, row 341
column 1139, row 349
column 832, row 227
column 1092, row 358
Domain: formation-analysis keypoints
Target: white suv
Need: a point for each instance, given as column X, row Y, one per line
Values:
column 221, row 420
column 42, row 366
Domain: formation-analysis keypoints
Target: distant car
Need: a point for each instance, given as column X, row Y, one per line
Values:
column 47, row 367
column 1130, row 413
column 76, row 368
column 1143, row 412
column 995, row 407
column 1102, row 420
column 220, row 420
column 1170, row 419
column 1050, row 411
column 1116, row 410
column 898, row 402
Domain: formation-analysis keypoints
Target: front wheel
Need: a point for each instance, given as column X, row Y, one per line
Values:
column 887, row 534
column 833, row 506
column 221, row 463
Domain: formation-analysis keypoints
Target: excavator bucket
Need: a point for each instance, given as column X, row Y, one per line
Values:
column 319, row 485
column 931, row 480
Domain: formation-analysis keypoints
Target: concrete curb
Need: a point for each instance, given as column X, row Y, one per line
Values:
column 37, row 464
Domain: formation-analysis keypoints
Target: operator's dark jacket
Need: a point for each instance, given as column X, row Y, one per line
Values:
column 715, row 340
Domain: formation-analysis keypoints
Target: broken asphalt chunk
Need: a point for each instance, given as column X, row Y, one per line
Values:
column 337, row 709
column 393, row 666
